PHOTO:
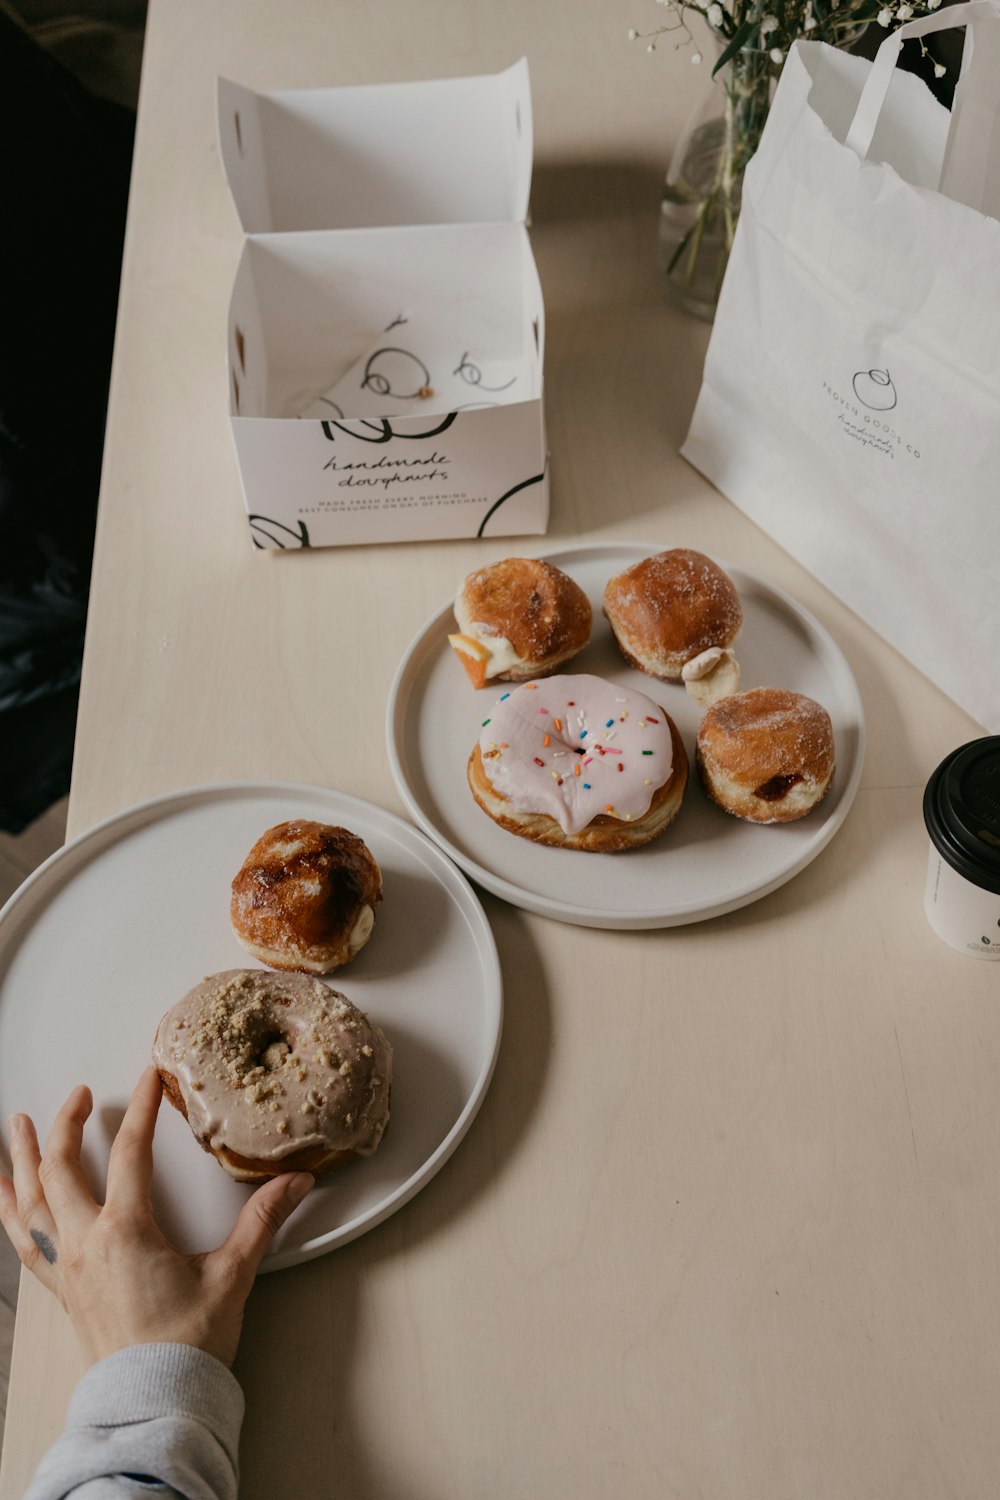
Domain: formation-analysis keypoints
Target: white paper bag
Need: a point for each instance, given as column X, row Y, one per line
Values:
column 851, row 396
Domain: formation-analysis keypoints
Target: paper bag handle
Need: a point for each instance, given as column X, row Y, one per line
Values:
column 969, row 172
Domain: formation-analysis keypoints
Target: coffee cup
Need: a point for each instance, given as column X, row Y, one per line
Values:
column 962, row 816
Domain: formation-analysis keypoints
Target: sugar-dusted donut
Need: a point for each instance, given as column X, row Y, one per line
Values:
column 676, row 610
column 517, row 619
column 305, row 897
column 275, row 1073
column 766, row 755
column 579, row 763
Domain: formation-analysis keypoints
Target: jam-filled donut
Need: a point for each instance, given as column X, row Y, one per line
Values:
column 579, row 763
column 766, row 755
column 275, row 1073
column 676, row 616
column 305, row 897
column 518, row 619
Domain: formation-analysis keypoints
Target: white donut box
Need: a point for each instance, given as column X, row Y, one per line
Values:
column 377, row 218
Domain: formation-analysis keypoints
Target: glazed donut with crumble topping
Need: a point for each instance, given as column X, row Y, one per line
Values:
column 518, row 619
column 767, row 755
column 275, row 1073
column 676, row 616
column 305, row 897
column 579, row 763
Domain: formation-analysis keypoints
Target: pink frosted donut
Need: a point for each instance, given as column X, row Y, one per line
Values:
column 579, row 763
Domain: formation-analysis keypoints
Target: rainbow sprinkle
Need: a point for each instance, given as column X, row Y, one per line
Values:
column 609, row 723
column 503, row 696
column 547, row 741
column 586, row 786
column 539, row 762
column 647, row 752
column 485, row 722
column 557, row 723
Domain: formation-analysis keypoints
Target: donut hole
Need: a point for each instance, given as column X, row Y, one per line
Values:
column 272, row 1052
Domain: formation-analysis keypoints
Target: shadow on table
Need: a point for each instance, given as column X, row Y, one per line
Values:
column 311, row 1429
column 568, row 191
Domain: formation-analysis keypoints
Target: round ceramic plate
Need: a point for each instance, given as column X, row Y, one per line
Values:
column 118, row 925
column 707, row 862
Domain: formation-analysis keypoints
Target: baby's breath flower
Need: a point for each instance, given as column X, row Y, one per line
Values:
column 933, row 4
column 768, row 24
column 904, row 12
column 939, row 70
column 696, row 57
column 651, row 47
column 715, row 15
column 632, row 33
column 884, row 17
column 776, row 55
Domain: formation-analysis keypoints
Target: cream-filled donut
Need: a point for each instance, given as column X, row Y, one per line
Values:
column 305, row 897
column 579, row 763
column 275, row 1073
column 518, row 619
column 669, row 612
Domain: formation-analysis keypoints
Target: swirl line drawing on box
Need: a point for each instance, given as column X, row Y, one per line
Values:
column 397, row 369
column 535, row 479
column 258, row 528
column 470, row 372
column 327, row 402
column 383, row 430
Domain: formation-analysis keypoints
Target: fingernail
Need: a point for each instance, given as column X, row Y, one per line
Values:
column 299, row 1187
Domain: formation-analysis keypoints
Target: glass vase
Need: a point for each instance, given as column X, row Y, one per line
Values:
column 703, row 186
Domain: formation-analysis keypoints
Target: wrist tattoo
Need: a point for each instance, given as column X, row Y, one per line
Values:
column 45, row 1245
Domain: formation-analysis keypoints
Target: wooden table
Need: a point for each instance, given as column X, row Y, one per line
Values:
column 727, row 1223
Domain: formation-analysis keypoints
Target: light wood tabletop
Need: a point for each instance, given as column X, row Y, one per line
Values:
column 727, row 1223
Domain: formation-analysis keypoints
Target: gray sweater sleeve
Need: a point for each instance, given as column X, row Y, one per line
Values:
column 158, row 1420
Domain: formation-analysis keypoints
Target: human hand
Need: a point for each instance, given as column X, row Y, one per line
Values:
column 111, row 1267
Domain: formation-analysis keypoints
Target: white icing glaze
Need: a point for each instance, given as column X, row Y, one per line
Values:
column 502, row 656
column 611, row 725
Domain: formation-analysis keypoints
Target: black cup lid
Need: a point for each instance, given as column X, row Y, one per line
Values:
column 962, row 811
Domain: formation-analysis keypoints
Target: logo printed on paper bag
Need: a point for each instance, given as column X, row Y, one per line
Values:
column 875, row 390
column 866, row 422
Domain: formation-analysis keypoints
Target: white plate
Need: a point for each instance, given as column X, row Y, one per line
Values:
column 118, row 925
column 707, row 862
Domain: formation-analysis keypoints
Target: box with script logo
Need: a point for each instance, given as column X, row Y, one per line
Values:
column 386, row 329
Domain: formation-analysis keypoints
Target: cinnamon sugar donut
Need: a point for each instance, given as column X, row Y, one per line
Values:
column 579, row 763
column 519, row 618
column 767, row 755
column 674, row 611
column 305, row 897
column 275, row 1073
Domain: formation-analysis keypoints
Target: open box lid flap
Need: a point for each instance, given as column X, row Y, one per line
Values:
column 449, row 151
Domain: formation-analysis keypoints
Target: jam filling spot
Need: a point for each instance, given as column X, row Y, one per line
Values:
column 777, row 787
